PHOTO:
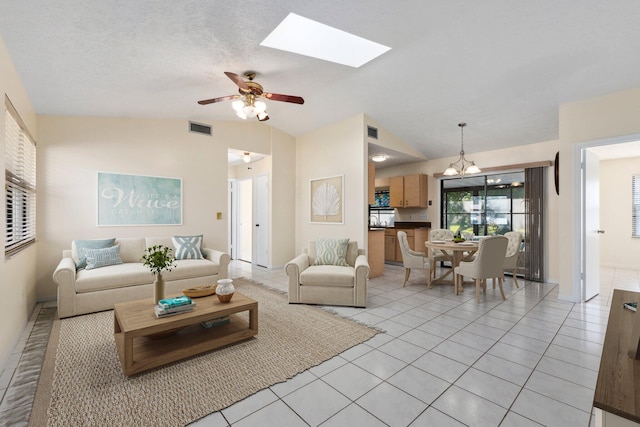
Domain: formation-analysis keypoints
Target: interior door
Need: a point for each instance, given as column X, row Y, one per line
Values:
column 244, row 214
column 261, row 242
column 591, row 224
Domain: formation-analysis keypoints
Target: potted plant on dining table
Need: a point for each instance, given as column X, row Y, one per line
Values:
column 159, row 258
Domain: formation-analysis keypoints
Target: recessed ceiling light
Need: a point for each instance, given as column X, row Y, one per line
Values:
column 310, row 38
column 379, row 158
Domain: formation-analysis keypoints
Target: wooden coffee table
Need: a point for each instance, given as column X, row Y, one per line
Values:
column 145, row 341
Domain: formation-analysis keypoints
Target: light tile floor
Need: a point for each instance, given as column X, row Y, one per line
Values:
column 443, row 361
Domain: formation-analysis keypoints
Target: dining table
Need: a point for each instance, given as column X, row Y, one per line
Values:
column 454, row 253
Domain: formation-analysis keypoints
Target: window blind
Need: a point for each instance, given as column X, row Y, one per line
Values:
column 635, row 206
column 20, row 183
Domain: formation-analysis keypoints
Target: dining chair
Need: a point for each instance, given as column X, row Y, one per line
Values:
column 436, row 255
column 513, row 254
column 488, row 264
column 412, row 259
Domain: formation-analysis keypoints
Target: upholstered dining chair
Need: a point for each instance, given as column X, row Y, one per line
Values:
column 488, row 264
column 436, row 255
column 513, row 253
column 412, row 259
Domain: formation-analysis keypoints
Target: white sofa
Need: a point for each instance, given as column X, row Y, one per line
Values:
column 87, row 291
column 329, row 284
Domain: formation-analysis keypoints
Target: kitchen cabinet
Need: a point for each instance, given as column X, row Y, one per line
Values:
column 415, row 236
column 390, row 244
column 371, row 187
column 382, row 183
column 409, row 191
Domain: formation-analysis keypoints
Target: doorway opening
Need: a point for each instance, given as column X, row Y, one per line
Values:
column 587, row 261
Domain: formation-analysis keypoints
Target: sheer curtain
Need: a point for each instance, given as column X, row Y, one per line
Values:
column 534, row 250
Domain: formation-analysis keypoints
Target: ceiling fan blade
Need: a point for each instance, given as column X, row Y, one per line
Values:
column 284, row 98
column 263, row 120
column 222, row 98
column 237, row 80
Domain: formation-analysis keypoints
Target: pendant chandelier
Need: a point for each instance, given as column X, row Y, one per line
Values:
column 461, row 166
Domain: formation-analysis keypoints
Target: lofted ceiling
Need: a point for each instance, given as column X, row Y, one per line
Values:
column 503, row 67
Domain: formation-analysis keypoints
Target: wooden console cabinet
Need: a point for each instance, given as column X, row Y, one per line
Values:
column 616, row 397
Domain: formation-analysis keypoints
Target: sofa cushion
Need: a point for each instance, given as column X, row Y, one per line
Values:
column 331, row 252
column 328, row 275
column 187, row 268
column 131, row 248
column 78, row 247
column 187, row 247
column 134, row 273
column 97, row 258
column 112, row 277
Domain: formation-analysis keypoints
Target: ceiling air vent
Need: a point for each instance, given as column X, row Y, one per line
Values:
column 200, row 128
column 372, row 132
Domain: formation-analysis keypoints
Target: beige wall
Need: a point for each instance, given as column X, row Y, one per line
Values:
column 609, row 117
column 338, row 149
column 17, row 274
column 74, row 149
column 617, row 247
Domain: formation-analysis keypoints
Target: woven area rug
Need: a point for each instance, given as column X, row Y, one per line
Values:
column 82, row 382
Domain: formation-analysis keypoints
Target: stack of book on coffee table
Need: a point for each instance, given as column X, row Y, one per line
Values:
column 170, row 306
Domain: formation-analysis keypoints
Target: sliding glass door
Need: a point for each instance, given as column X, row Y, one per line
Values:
column 484, row 205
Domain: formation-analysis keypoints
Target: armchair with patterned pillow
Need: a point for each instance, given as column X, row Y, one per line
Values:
column 331, row 272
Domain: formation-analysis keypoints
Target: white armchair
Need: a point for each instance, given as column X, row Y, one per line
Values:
column 329, row 284
column 412, row 259
column 513, row 254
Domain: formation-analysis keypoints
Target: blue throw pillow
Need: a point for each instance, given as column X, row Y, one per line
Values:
column 102, row 257
column 82, row 245
column 188, row 247
column 331, row 252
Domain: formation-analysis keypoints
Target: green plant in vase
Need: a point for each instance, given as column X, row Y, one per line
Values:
column 159, row 258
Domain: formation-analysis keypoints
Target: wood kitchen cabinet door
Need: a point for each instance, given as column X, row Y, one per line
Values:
column 415, row 190
column 389, row 245
column 371, row 193
column 396, row 192
column 409, row 191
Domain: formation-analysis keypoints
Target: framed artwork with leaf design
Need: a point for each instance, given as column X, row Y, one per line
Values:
column 327, row 201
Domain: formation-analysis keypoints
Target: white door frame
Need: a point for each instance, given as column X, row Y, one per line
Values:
column 579, row 204
column 261, row 244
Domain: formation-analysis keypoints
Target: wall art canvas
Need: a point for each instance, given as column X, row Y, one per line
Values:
column 327, row 202
column 138, row 200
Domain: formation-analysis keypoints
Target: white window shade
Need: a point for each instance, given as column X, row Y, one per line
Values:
column 20, row 183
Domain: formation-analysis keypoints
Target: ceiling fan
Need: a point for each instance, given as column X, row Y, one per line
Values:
column 248, row 104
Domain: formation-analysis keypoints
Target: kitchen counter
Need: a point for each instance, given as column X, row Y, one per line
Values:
column 401, row 225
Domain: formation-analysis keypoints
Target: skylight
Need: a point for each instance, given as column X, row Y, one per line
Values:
column 310, row 38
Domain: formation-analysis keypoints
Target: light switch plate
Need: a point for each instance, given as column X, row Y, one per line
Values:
column 219, row 215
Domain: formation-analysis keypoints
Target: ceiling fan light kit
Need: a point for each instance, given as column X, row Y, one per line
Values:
column 248, row 104
column 461, row 166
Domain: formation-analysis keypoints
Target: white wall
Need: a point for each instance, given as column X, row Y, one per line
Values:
column 338, row 149
column 608, row 117
column 617, row 247
column 17, row 274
